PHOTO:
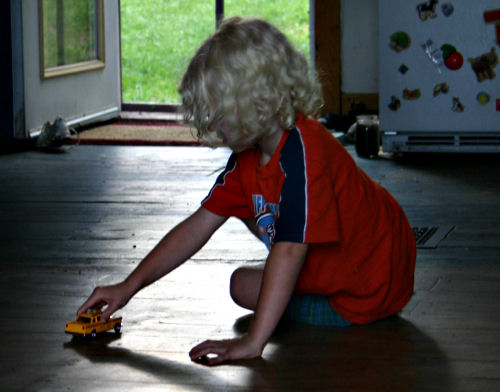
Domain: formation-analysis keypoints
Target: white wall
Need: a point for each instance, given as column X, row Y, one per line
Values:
column 359, row 46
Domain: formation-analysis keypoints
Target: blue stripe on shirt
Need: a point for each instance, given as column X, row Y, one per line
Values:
column 292, row 220
column 221, row 179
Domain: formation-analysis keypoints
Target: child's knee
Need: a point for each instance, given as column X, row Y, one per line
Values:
column 244, row 286
column 235, row 284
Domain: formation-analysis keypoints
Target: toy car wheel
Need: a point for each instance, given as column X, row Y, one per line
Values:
column 118, row 327
column 94, row 333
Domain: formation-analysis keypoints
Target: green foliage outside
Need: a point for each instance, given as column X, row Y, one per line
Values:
column 74, row 21
column 160, row 37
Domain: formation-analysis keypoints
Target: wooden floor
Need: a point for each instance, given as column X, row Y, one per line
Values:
column 74, row 220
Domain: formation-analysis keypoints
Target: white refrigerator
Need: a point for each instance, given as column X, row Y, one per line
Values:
column 439, row 75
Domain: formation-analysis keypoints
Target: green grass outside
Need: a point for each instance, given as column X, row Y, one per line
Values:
column 160, row 37
column 79, row 42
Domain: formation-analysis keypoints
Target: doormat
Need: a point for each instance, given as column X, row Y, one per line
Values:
column 429, row 237
column 140, row 134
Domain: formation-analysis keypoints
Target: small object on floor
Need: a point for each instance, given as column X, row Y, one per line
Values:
column 429, row 237
column 90, row 324
column 55, row 135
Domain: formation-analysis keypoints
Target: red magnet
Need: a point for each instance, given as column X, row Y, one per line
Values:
column 493, row 17
column 452, row 58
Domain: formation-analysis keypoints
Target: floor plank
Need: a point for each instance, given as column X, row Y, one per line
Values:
column 74, row 220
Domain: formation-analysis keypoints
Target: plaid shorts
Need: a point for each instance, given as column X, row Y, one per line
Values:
column 314, row 310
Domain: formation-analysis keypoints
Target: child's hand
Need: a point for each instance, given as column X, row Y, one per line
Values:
column 115, row 297
column 214, row 352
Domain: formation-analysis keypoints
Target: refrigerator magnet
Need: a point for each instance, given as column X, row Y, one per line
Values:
column 427, row 9
column 434, row 54
column 411, row 94
column 447, row 9
column 484, row 65
column 457, row 106
column 403, row 68
column 483, row 98
column 440, row 88
column 493, row 17
column 399, row 41
column 453, row 59
column 395, row 103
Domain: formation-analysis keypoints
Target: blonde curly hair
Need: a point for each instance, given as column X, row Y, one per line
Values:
column 249, row 75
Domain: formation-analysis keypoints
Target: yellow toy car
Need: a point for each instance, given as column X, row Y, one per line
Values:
column 90, row 324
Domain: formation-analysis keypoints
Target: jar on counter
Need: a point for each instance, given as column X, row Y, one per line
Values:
column 367, row 136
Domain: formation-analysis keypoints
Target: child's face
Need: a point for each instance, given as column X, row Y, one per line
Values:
column 230, row 137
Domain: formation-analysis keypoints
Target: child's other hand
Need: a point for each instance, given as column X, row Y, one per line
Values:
column 215, row 352
column 115, row 297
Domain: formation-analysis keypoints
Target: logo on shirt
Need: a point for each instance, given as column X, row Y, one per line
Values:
column 265, row 216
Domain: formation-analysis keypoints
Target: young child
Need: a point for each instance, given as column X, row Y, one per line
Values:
column 341, row 250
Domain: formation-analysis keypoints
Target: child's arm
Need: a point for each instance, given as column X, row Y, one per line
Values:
column 281, row 271
column 175, row 248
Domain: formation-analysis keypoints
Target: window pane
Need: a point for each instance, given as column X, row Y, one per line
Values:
column 69, row 32
column 158, row 40
column 290, row 16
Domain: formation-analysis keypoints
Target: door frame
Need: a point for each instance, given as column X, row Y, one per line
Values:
column 325, row 44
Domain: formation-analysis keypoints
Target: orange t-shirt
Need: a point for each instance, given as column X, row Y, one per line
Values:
column 361, row 247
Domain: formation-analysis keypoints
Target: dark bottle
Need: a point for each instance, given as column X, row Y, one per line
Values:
column 367, row 136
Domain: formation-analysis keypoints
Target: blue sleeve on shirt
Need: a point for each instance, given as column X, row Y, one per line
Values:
column 230, row 166
column 292, row 220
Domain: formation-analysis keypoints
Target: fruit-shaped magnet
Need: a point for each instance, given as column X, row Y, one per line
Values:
column 453, row 59
column 483, row 98
column 399, row 41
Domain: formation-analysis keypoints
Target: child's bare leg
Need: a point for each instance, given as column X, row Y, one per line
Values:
column 245, row 286
column 245, row 281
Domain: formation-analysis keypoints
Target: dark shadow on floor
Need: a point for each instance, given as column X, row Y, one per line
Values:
column 391, row 354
